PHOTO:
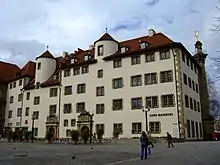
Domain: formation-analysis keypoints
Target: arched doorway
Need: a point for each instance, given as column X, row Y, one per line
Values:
column 84, row 128
column 52, row 130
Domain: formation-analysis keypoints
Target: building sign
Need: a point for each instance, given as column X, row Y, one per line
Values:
column 161, row 114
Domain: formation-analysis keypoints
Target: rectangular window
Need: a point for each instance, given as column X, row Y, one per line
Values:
column 136, row 128
column 100, row 91
column 38, row 66
column 65, row 123
column 73, row 122
column 154, row 127
column 67, row 73
column 117, row 63
column 198, row 106
column 136, row 103
column 197, row 129
column 118, row 127
column 117, row 83
column 36, row 100
column 11, row 99
column 27, row 111
column 136, row 80
column 100, row 50
column 195, row 69
column 195, row 105
column 53, row 92
column 67, row 109
column 164, row 55
column 186, row 101
column 193, row 85
column 100, row 108
column 187, row 60
column 150, row 57
column 36, row 115
column 183, row 57
column 200, row 129
column 166, row 76
column 20, row 97
column 68, row 90
column 100, row 73
column 189, row 80
column 191, row 103
column 10, row 114
column 20, row 82
column 150, row 78
column 28, row 96
column 76, row 71
column 10, row 85
column 14, row 84
column 85, row 69
column 167, row 100
column 80, row 107
column 197, row 89
column 191, row 65
column 135, row 60
column 193, row 129
column 81, row 88
column 185, row 78
column 117, row 104
column 68, row 133
column 53, row 109
column 100, row 126
column 188, row 129
column 152, row 102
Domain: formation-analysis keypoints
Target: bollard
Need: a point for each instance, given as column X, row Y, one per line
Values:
column 149, row 150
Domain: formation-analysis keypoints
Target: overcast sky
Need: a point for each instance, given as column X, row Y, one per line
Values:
column 28, row 26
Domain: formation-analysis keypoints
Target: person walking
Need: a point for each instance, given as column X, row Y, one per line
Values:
column 144, row 144
column 169, row 140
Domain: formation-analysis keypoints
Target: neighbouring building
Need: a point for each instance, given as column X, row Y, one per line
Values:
column 7, row 71
column 109, row 85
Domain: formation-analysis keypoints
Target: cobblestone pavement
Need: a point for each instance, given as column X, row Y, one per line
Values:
column 127, row 153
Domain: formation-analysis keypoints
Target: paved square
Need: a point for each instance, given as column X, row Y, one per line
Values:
column 126, row 153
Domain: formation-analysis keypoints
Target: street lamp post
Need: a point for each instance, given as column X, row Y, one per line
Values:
column 90, row 123
column 32, row 132
column 146, row 118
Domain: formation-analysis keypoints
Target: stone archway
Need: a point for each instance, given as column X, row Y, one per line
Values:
column 52, row 130
column 84, row 128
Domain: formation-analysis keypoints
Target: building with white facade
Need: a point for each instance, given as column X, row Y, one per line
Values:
column 115, row 82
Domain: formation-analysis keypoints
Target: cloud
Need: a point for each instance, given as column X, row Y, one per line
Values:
column 128, row 25
column 18, row 51
column 65, row 25
column 151, row 3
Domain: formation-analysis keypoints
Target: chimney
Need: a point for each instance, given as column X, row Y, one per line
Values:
column 151, row 32
column 65, row 54
column 90, row 47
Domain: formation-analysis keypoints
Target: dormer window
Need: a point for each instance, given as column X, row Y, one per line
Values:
column 86, row 57
column 73, row 61
column 100, row 50
column 143, row 45
column 124, row 49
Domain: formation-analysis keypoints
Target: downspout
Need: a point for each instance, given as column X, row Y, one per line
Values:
column 59, row 102
column 174, row 62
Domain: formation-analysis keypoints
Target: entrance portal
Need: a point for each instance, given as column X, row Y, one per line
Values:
column 84, row 128
column 52, row 130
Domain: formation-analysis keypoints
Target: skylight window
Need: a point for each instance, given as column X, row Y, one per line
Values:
column 124, row 49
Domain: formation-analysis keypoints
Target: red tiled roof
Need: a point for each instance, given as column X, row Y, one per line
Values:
column 7, row 71
column 27, row 71
column 46, row 54
column 106, row 36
